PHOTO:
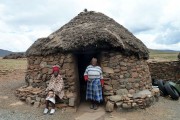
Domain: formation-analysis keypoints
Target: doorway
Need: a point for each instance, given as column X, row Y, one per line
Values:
column 83, row 60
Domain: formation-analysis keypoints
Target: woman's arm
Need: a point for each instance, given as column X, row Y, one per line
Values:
column 86, row 74
column 101, row 77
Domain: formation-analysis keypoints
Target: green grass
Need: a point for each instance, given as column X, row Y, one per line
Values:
column 163, row 55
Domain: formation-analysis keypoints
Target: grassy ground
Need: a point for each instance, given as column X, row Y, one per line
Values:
column 12, row 64
column 163, row 56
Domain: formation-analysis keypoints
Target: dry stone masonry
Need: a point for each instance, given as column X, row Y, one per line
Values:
column 39, row 71
column 127, row 80
column 165, row 70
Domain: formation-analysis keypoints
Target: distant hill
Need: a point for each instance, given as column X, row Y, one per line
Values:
column 15, row 55
column 4, row 52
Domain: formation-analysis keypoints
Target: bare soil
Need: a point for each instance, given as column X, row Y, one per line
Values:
column 12, row 108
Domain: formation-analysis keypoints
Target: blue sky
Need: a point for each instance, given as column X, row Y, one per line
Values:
column 155, row 22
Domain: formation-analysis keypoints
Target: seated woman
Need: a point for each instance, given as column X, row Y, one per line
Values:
column 55, row 88
column 94, row 78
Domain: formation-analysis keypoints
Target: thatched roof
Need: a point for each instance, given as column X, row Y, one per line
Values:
column 87, row 31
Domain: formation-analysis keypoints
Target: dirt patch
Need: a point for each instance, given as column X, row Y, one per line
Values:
column 12, row 108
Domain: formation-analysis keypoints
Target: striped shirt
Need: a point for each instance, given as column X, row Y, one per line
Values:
column 93, row 72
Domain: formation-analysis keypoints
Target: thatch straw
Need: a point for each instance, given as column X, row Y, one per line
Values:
column 87, row 31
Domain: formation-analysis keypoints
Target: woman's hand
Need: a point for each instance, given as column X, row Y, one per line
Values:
column 86, row 77
column 102, row 82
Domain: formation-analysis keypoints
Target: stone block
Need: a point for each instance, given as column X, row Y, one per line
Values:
column 108, row 70
column 126, row 106
column 109, row 106
column 108, row 87
column 36, row 104
column 72, row 102
column 115, row 98
column 142, row 94
column 122, row 92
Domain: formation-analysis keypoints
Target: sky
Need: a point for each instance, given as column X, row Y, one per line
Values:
column 155, row 22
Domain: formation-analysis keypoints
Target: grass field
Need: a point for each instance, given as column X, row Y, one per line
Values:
column 163, row 55
column 12, row 64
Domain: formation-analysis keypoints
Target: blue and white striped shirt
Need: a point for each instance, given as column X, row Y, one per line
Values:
column 93, row 72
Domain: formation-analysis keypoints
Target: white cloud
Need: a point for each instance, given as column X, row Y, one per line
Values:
column 156, row 23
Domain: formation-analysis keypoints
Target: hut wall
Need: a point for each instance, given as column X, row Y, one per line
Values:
column 39, row 72
column 125, row 72
column 125, row 79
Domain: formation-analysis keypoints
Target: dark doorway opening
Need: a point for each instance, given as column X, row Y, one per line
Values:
column 83, row 60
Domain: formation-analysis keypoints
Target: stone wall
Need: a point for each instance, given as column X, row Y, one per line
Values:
column 127, row 81
column 165, row 70
column 38, row 74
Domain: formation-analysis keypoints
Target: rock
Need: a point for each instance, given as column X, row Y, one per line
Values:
column 37, row 62
column 128, row 86
column 127, row 75
column 28, row 100
column 36, row 104
column 123, row 64
column 131, row 91
column 116, row 70
column 30, row 81
column 141, row 94
column 108, row 70
column 107, row 87
column 107, row 82
column 109, row 106
column 130, row 95
column 70, row 95
column 38, row 99
column 67, row 66
column 123, row 68
column 122, row 86
column 122, row 92
column 45, row 70
column 44, row 77
column 115, row 98
column 71, row 102
column 39, row 76
column 126, row 106
column 121, row 76
column 155, row 90
column 134, row 74
column 108, row 93
column 118, row 104
column 43, row 100
column 134, row 104
column 136, row 85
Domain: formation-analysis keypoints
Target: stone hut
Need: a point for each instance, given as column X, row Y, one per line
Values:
column 121, row 55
